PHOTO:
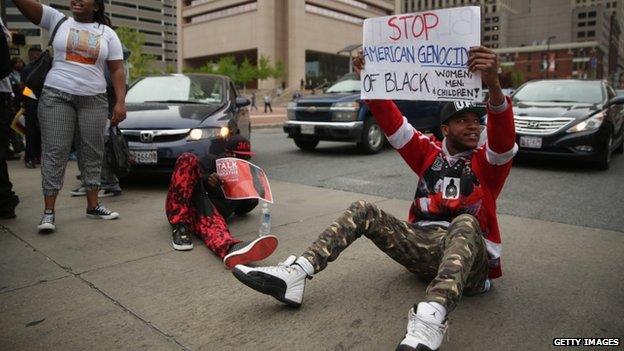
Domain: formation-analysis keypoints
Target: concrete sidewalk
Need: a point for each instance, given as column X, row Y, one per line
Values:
column 259, row 119
column 119, row 285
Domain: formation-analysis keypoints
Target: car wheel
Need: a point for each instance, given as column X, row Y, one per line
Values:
column 603, row 159
column 620, row 149
column 372, row 138
column 306, row 144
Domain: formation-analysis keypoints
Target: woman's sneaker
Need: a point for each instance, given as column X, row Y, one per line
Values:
column 80, row 191
column 47, row 222
column 101, row 212
column 250, row 251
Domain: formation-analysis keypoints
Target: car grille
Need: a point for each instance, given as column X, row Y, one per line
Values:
column 540, row 125
column 157, row 136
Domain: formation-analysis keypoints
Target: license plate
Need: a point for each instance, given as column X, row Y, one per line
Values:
column 530, row 142
column 148, row 157
column 305, row 129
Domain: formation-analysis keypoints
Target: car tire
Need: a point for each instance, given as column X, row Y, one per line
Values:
column 620, row 149
column 306, row 144
column 603, row 159
column 373, row 139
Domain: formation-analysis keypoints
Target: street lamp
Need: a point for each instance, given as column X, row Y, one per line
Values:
column 548, row 52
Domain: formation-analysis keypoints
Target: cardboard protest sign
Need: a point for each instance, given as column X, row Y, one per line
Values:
column 243, row 180
column 422, row 56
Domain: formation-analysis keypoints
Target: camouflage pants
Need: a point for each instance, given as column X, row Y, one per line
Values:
column 455, row 259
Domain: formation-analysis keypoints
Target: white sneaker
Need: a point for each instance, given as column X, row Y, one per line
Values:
column 285, row 282
column 47, row 223
column 425, row 329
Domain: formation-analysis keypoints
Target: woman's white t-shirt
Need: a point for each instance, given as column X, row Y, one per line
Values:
column 80, row 54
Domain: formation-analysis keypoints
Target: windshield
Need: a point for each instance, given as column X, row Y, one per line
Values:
column 348, row 85
column 561, row 91
column 181, row 89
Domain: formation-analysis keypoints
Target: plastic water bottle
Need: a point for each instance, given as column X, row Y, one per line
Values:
column 265, row 226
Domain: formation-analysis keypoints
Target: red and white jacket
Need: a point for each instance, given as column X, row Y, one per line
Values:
column 448, row 186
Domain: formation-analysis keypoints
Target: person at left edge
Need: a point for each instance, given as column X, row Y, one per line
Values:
column 73, row 101
column 196, row 204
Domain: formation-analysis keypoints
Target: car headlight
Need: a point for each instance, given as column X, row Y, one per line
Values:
column 207, row 133
column 591, row 123
column 291, row 110
column 345, row 111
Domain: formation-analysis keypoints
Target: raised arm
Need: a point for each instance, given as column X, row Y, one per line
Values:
column 501, row 134
column 500, row 127
column 31, row 9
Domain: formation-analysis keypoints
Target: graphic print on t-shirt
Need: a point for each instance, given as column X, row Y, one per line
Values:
column 82, row 46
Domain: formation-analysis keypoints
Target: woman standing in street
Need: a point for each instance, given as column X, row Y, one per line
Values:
column 73, row 103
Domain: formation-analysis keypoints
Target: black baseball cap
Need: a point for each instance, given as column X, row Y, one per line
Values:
column 454, row 108
column 239, row 145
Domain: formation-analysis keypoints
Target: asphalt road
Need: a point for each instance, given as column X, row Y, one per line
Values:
column 564, row 192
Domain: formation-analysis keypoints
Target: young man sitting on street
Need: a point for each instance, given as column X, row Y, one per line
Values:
column 451, row 237
column 196, row 204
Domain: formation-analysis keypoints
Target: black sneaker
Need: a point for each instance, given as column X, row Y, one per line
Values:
column 101, row 212
column 181, row 238
column 8, row 214
column 47, row 222
column 30, row 164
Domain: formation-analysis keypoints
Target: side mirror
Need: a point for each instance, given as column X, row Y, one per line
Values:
column 242, row 101
column 618, row 100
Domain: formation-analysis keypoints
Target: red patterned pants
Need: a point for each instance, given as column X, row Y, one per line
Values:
column 181, row 206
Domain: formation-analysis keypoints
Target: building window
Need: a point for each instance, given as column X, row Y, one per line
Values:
column 225, row 12
column 591, row 23
column 333, row 14
column 495, row 28
column 582, row 24
column 486, row 38
column 582, row 15
column 528, row 68
column 591, row 33
column 591, row 14
column 580, row 35
column 495, row 19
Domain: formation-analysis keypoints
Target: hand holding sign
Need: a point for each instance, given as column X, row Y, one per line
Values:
column 485, row 60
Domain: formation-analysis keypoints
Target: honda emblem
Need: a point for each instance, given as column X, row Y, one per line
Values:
column 146, row 136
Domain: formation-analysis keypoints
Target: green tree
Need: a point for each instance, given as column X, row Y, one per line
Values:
column 140, row 63
column 279, row 71
column 246, row 73
column 227, row 67
column 265, row 71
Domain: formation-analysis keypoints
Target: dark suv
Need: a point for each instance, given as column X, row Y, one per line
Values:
column 339, row 115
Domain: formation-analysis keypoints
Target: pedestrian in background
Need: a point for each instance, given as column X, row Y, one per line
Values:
column 253, row 101
column 32, row 156
column 73, row 101
column 267, row 103
column 8, row 199
column 109, row 183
